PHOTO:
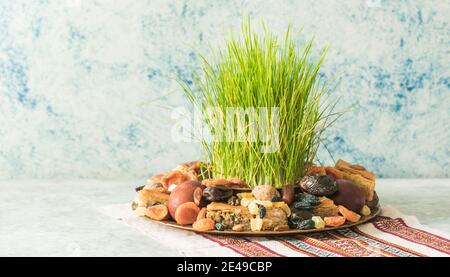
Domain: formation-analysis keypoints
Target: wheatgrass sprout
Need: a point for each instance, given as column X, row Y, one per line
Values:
column 278, row 80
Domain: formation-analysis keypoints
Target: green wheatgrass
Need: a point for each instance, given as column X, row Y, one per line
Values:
column 262, row 70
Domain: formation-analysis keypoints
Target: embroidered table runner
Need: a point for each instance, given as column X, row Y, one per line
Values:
column 389, row 235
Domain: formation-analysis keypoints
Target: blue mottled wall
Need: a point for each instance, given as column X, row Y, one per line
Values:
column 86, row 86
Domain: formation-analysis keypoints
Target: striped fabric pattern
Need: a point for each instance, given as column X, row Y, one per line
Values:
column 390, row 235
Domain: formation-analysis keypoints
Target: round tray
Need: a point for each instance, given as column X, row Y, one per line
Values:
column 363, row 219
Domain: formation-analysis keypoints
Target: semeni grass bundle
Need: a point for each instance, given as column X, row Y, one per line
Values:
column 268, row 116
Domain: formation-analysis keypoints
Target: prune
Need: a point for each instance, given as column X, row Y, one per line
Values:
column 305, row 224
column 298, row 216
column 308, row 198
column 303, row 205
column 262, row 211
column 349, row 195
column 323, row 185
column 217, row 193
column 219, row 227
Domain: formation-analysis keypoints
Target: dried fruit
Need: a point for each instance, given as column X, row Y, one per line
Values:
column 253, row 208
column 181, row 194
column 298, row 216
column 203, row 225
column 198, row 194
column 320, row 170
column 282, row 205
column 349, row 215
column 157, row 212
column 274, row 217
column 365, row 211
column 186, row 213
column 217, row 193
column 304, row 224
column 349, row 195
column 326, row 208
column 256, row 224
column 318, row 222
column 246, row 201
column 264, row 192
column 201, row 214
column 334, row 221
column 319, row 185
column 262, row 211
column 306, row 201
column 288, row 193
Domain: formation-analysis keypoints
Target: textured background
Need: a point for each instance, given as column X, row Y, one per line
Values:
column 86, row 87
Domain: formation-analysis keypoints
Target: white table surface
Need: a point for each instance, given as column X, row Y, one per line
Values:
column 61, row 218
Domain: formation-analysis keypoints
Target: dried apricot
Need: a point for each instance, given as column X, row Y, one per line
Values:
column 204, row 224
column 334, row 221
column 349, row 215
column 157, row 212
column 186, row 213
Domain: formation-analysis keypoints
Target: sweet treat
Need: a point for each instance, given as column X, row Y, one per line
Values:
column 325, row 197
column 358, row 175
column 334, row 221
column 349, row 195
column 319, row 185
column 349, row 215
column 287, row 194
column 186, row 213
column 204, row 224
column 157, row 212
column 181, row 194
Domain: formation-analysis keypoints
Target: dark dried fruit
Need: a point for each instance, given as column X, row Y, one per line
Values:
column 303, row 205
column 308, row 198
column 349, row 195
column 139, row 188
column 219, row 227
column 217, row 193
column 298, row 216
column 262, row 211
column 323, row 185
column 288, row 193
column 234, row 201
column 305, row 224
column 275, row 198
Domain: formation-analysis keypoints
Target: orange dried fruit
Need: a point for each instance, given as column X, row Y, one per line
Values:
column 336, row 173
column 349, row 215
column 202, row 225
column 334, row 221
column 157, row 212
column 186, row 213
column 201, row 214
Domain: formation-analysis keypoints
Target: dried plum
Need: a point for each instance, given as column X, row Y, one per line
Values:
column 217, row 193
column 307, row 198
column 298, row 216
column 305, row 224
column 323, row 185
column 262, row 211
